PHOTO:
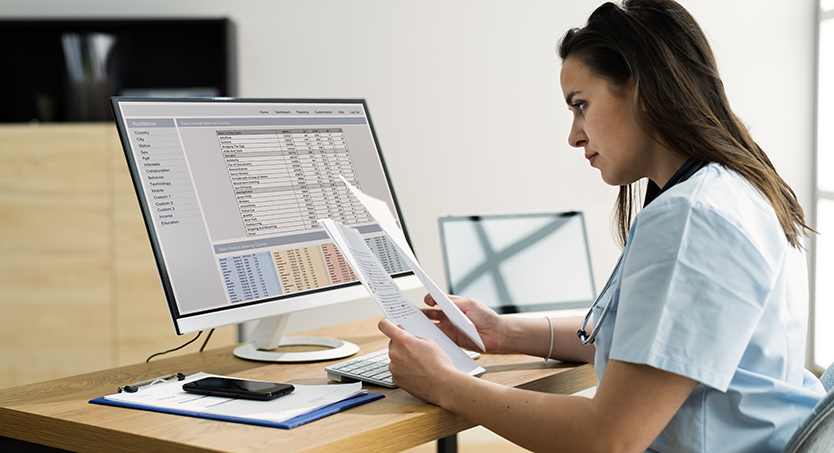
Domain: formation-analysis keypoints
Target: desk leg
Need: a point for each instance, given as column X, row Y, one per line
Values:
column 448, row 444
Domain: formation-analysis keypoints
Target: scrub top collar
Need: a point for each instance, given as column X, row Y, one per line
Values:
column 689, row 168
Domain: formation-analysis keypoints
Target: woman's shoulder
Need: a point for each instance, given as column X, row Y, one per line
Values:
column 719, row 190
column 719, row 203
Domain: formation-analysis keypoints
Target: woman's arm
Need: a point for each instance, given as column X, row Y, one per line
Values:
column 529, row 336
column 630, row 409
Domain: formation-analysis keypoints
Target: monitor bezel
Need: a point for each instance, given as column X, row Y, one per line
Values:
column 278, row 305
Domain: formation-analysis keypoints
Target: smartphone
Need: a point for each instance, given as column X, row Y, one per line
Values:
column 238, row 388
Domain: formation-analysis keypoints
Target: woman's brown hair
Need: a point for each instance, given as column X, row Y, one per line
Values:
column 659, row 46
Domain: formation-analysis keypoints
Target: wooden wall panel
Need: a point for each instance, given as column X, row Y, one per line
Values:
column 79, row 290
column 56, row 311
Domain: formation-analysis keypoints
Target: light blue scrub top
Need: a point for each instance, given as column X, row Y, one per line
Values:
column 709, row 288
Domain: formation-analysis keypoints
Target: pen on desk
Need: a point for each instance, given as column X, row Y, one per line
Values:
column 133, row 388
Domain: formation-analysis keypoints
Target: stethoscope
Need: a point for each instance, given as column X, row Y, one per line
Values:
column 581, row 333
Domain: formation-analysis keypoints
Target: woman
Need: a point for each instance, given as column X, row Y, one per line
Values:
column 698, row 339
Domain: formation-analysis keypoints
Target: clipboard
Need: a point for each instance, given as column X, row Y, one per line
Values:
column 165, row 395
column 287, row 424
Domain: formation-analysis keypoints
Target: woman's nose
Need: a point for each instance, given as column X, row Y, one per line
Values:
column 577, row 137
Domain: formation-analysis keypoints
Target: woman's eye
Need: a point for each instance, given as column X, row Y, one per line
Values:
column 579, row 106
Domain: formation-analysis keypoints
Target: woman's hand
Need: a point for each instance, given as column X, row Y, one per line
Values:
column 418, row 365
column 489, row 324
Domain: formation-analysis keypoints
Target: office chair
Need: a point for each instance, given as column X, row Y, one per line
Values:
column 816, row 434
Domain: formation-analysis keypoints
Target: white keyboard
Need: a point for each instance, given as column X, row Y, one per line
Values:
column 371, row 368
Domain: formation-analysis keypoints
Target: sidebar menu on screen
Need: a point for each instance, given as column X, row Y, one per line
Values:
column 164, row 172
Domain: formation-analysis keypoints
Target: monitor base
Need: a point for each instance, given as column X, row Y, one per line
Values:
column 337, row 349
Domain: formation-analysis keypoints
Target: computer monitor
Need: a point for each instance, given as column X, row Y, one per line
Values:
column 231, row 191
column 519, row 263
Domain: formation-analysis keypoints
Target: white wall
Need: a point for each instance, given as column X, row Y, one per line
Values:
column 465, row 94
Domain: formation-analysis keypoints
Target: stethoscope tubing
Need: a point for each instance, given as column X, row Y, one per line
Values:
column 581, row 333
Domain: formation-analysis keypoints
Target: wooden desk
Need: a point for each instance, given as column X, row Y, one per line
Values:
column 57, row 413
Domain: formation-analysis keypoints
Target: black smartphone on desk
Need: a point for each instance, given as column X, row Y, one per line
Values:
column 238, row 388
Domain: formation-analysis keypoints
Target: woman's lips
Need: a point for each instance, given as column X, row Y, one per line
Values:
column 591, row 157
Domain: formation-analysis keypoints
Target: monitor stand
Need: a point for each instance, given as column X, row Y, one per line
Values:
column 268, row 334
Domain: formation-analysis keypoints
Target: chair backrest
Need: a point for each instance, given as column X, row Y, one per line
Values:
column 816, row 434
column 827, row 378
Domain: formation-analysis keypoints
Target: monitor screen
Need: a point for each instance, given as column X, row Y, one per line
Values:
column 232, row 190
column 520, row 262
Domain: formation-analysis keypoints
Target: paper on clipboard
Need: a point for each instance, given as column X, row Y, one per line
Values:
column 303, row 400
column 380, row 211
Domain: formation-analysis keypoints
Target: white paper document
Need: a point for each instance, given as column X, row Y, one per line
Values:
column 380, row 211
column 385, row 292
column 304, row 399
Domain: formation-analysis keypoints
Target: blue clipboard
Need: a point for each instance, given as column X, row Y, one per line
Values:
column 287, row 424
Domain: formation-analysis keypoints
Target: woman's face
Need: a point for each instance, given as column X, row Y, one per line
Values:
column 605, row 126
